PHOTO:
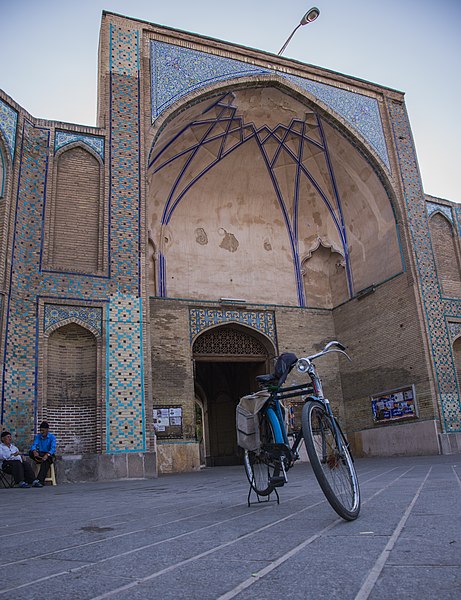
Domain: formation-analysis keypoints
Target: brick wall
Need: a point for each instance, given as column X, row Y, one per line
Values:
column 383, row 335
column 171, row 359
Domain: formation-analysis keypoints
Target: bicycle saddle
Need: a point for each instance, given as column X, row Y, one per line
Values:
column 285, row 362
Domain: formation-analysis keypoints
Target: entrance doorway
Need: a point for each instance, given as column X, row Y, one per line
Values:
column 227, row 360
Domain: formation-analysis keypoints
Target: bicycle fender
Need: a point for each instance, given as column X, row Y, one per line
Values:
column 275, row 424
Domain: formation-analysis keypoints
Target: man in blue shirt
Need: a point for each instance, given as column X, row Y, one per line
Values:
column 43, row 450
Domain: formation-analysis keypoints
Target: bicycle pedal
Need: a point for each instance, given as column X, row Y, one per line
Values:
column 277, row 481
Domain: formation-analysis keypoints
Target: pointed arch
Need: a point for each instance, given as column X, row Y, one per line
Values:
column 74, row 232
column 316, row 176
column 71, row 388
column 324, row 276
column 446, row 254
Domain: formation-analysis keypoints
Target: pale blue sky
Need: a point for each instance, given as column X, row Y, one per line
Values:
column 49, row 48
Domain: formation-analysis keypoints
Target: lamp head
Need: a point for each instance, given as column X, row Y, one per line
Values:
column 310, row 16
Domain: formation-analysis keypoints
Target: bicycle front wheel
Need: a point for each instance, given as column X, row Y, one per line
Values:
column 331, row 461
column 260, row 466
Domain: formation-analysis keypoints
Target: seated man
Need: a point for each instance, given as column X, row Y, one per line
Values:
column 43, row 450
column 21, row 470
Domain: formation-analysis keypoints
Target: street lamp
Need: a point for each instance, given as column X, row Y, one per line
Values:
column 310, row 16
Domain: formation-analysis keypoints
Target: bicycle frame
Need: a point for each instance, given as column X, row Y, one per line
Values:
column 312, row 390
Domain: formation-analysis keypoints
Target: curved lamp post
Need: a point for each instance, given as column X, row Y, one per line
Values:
column 310, row 16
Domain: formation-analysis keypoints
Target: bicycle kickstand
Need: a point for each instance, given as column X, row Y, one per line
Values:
column 268, row 497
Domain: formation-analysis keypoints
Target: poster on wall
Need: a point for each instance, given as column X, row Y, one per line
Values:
column 168, row 421
column 395, row 405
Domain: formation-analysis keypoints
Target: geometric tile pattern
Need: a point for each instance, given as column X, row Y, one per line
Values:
column 203, row 318
column 62, row 138
column 125, row 384
column 177, row 71
column 29, row 282
column 19, row 383
column 124, row 160
column 362, row 112
column 54, row 314
column 432, row 207
column 454, row 329
column 435, row 308
column 8, row 123
column 125, row 431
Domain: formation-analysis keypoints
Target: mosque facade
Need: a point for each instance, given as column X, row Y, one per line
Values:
column 230, row 205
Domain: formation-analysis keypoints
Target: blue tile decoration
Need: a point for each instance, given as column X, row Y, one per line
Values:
column 96, row 143
column 125, row 418
column 177, row 71
column 57, row 314
column 125, row 427
column 8, row 124
column 435, row 307
column 432, row 207
column 19, row 394
column 201, row 319
column 362, row 112
column 454, row 329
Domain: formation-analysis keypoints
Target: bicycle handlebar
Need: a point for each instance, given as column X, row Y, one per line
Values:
column 303, row 364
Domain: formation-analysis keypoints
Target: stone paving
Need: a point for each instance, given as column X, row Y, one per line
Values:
column 193, row 536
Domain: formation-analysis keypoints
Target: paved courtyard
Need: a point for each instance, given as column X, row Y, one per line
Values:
column 193, row 536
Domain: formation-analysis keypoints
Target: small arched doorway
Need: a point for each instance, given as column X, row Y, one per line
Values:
column 227, row 360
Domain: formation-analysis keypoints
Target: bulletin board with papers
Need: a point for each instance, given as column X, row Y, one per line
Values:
column 168, row 421
column 395, row 405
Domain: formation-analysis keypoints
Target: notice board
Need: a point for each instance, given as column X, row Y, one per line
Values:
column 168, row 421
column 395, row 405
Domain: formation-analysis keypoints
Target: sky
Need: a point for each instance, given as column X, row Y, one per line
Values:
column 49, row 55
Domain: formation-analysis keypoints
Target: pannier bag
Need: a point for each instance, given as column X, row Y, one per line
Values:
column 247, row 418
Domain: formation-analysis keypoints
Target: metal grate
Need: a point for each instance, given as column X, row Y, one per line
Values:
column 228, row 342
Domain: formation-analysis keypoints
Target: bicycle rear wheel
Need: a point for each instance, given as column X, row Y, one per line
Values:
column 260, row 466
column 331, row 461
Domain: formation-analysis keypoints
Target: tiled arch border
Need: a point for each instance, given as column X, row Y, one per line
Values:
column 177, row 70
column 89, row 317
column 202, row 319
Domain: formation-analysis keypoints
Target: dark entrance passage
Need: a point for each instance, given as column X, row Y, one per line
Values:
column 223, row 383
column 227, row 360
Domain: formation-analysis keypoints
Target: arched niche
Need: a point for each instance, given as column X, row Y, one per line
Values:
column 71, row 404
column 75, row 244
column 324, row 277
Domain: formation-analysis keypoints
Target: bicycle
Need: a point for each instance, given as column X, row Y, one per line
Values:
column 327, row 448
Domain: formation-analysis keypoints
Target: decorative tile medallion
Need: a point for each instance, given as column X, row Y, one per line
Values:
column 454, row 329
